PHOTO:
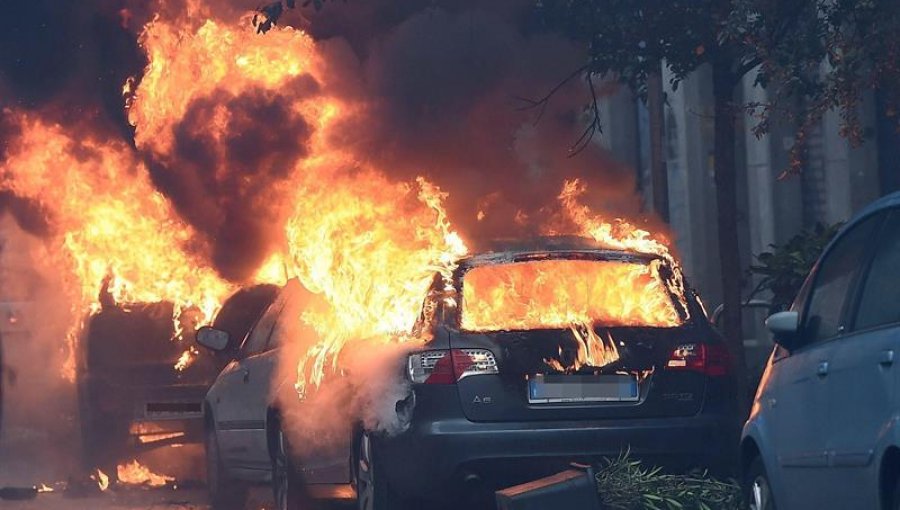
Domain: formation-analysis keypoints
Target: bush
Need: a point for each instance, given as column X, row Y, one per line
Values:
column 625, row 485
column 785, row 267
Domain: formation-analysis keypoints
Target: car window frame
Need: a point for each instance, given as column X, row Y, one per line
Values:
column 888, row 215
column 852, row 290
column 280, row 303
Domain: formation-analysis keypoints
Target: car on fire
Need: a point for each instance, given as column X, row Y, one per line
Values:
column 532, row 358
column 130, row 394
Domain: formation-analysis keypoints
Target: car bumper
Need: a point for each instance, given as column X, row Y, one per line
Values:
column 433, row 458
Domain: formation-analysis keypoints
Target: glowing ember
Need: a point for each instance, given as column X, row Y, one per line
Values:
column 134, row 473
column 544, row 294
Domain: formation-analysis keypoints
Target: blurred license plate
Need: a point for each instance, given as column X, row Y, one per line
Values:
column 549, row 389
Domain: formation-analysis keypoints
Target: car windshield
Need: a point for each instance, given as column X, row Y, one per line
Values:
column 558, row 293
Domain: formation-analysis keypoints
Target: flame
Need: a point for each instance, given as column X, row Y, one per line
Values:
column 135, row 473
column 621, row 235
column 375, row 277
column 593, row 351
column 557, row 293
column 114, row 232
column 44, row 488
column 368, row 245
column 102, row 480
column 186, row 359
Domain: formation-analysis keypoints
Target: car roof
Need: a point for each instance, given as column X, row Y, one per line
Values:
column 886, row 202
column 538, row 248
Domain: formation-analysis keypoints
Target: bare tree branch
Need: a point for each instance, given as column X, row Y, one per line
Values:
column 593, row 127
column 542, row 102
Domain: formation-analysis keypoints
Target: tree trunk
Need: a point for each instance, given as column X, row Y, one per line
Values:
column 724, row 83
column 659, row 173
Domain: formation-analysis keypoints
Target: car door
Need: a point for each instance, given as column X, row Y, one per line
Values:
column 798, row 395
column 863, row 379
column 240, row 397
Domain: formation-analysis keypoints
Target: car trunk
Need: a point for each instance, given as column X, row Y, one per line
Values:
column 634, row 382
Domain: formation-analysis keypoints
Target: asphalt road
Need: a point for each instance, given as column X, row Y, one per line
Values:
column 39, row 445
column 26, row 460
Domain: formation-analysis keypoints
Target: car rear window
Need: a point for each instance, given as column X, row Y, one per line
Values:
column 557, row 293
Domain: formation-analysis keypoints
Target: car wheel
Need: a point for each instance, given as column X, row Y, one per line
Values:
column 288, row 488
column 101, row 442
column 372, row 490
column 757, row 488
column 224, row 493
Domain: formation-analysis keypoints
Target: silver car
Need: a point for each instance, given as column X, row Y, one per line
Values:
column 824, row 429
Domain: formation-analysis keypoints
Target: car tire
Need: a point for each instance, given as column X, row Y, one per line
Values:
column 288, row 488
column 372, row 490
column 224, row 492
column 103, row 440
column 757, row 489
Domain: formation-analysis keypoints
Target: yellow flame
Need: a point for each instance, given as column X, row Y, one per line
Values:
column 134, row 473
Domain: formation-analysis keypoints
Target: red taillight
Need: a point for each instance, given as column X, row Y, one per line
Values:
column 448, row 367
column 709, row 359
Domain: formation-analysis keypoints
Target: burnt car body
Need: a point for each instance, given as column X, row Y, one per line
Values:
column 130, row 395
column 487, row 408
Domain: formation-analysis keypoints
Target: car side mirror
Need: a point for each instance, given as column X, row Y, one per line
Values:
column 213, row 339
column 785, row 328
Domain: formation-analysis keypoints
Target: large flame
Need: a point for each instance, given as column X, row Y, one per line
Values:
column 116, row 235
column 545, row 294
column 366, row 244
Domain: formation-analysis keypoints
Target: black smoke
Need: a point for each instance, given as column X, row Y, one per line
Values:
column 233, row 197
column 445, row 81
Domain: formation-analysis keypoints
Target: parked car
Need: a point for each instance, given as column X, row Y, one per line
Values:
column 823, row 430
column 488, row 408
column 130, row 395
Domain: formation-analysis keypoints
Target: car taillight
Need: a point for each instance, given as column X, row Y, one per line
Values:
column 709, row 359
column 448, row 367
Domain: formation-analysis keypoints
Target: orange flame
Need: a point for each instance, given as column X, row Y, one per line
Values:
column 593, row 351
column 134, row 473
column 367, row 245
column 114, row 231
column 544, row 294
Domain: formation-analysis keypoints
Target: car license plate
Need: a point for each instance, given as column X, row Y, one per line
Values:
column 559, row 388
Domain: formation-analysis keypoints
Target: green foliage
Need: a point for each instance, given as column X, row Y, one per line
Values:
column 784, row 269
column 824, row 53
column 624, row 484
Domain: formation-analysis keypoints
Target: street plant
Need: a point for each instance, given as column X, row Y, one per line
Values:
column 625, row 484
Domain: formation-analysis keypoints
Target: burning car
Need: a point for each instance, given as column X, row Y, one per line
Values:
column 138, row 386
column 531, row 359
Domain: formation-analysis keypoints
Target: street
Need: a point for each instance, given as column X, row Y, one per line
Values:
column 24, row 462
